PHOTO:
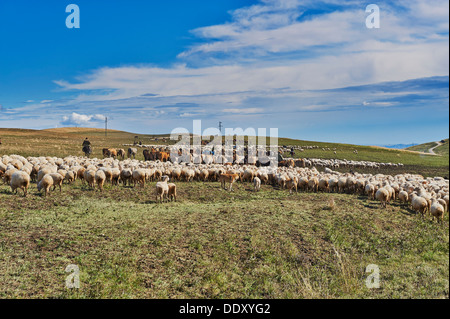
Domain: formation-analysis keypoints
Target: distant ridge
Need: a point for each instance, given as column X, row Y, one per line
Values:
column 399, row 146
column 77, row 129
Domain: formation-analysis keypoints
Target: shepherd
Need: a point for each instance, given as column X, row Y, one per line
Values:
column 87, row 149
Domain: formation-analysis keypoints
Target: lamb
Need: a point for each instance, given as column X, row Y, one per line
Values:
column 313, row 184
column 247, row 175
column 443, row 203
column 204, row 173
column 108, row 173
column 383, row 195
column 57, row 180
column 176, row 174
column 162, row 189
column 437, row 210
column 257, row 184
column 45, row 183
column 342, row 183
column 189, row 175
column 291, row 184
column 370, row 191
column 172, row 193
column 264, row 178
column 403, row 196
column 281, row 181
column 303, row 183
column 446, row 198
column 70, row 176
column 115, row 176
column 419, row 204
column 100, row 179
column 43, row 171
column 89, row 177
column 125, row 176
column 324, row 185
column 20, row 179
column 139, row 177
column 333, row 185
column 80, row 173
column 8, row 174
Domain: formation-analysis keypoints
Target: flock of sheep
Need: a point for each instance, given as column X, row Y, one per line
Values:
column 423, row 195
column 302, row 162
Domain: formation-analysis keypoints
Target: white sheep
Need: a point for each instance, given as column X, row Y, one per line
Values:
column 257, row 183
column 138, row 176
column 57, row 180
column 403, row 196
column 437, row 210
column 20, row 179
column 419, row 204
column 383, row 195
column 45, row 183
column 162, row 189
column 100, row 178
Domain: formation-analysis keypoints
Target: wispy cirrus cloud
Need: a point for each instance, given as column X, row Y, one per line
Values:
column 302, row 45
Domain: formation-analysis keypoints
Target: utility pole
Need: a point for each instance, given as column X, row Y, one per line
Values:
column 106, row 126
column 220, row 127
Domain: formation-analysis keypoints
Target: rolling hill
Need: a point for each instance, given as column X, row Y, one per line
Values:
column 439, row 147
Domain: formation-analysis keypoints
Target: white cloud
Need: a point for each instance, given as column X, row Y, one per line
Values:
column 269, row 46
column 81, row 119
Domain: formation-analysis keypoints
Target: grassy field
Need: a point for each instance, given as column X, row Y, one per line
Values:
column 216, row 244
column 212, row 243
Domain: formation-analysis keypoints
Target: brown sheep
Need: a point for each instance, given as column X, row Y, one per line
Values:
column 172, row 193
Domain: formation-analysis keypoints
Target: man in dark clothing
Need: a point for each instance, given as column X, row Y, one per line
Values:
column 86, row 142
column 292, row 152
column 280, row 157
column 87, row 149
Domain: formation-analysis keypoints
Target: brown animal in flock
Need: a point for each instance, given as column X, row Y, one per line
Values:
column 300, row 163
column 121, row 153
column 112, row 152
column 228, row 178
column 149, row 155
column 109, row 152
column 286, row 163
column 163, row 156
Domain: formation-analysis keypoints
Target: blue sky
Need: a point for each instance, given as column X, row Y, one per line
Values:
column 310, row 68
